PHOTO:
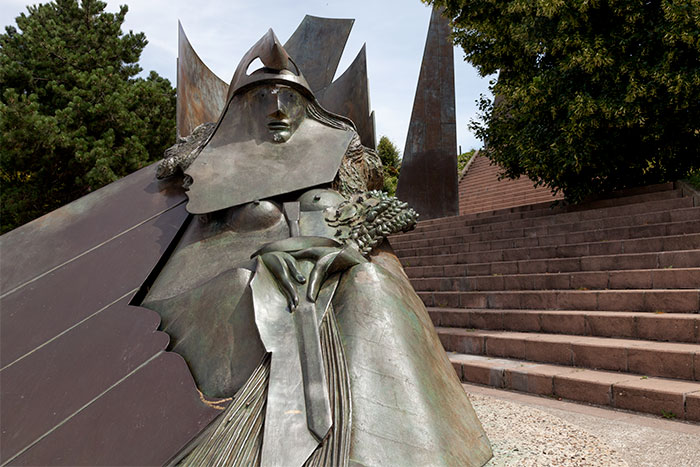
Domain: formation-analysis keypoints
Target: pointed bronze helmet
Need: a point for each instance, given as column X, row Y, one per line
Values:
column 278, row 67
column 272, row 137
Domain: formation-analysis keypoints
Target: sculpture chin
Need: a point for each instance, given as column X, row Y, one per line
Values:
column 281, row 136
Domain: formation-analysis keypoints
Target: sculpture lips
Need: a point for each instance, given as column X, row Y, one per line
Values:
column 278, row 125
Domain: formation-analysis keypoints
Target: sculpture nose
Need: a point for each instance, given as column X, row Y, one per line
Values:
column 276, row 107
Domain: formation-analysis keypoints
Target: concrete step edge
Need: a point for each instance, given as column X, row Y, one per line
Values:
column 400, row 244
column 660, row 260
column 664, row 327
column 547, row 206
column 641, row 245
column 647, row 300
column 631, row 279
column 650, row 358
column 665, row 397
column 549, row 220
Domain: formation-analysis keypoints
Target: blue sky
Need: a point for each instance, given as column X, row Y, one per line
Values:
column 222, row 31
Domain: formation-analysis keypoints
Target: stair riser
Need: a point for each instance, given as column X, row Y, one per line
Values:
column 637, row 229
column 621, row 280
column 666, row 364
column 679, row 242
column 546, row 217
column 669, row 301
column 605, row 392
column 671, row 259
column 479, row 188
column 522, row 238
column 548, row 205
column 644, row 327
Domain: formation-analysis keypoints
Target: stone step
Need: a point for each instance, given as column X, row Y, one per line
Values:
column 620, row 262
column 574, row 250
column 671, row 327
column 654, row 260
column 558, row 207
column 685, row 278
column 636, row 223
column 580, row 232
column 669, row 398
column 651, row 300
column 648, row 358
column 548, row 215
column 488, row 205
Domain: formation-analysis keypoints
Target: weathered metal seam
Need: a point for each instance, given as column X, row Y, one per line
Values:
column 90, row 250
column 70, row 328
column 68, row 418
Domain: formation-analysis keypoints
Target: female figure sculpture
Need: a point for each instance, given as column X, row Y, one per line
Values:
column 294, row 317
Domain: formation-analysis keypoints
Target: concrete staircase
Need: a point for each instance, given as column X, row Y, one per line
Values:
column 595, row 303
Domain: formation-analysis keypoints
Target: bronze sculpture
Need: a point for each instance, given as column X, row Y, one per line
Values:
column 86, row 375
column 287, row 304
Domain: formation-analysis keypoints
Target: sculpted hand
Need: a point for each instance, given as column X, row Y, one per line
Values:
column 283, row 266
column 327, row 260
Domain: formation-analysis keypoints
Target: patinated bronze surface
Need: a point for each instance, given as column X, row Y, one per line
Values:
column 428, row 179
column 84, row 378
column 201, row 94
column 288, row 335
column 317, row 46
column 297, row 260
column 349, row 96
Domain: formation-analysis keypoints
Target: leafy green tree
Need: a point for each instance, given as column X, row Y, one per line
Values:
column 391, row 160
column 73, row 114
column 592, row 95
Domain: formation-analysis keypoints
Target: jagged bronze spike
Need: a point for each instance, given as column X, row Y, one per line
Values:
column 428, row 180
column 349, row 96
column 317, row 46
column 201, row 95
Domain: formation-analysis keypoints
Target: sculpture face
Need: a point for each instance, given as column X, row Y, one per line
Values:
column 278, row 107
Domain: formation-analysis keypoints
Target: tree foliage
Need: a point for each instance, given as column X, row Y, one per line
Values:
column 73, row 114
column 593, row 95
column 391, row 161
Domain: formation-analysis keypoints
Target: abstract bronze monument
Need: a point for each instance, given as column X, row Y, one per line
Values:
column 428, row 179
column 295, row 337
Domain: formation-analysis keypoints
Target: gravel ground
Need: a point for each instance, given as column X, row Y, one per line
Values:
column 533, row 431
column 526, row 436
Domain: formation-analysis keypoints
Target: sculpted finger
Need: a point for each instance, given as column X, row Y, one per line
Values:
column 313, row 253
column 279, row 269
column 318, row 275
column 294, row 269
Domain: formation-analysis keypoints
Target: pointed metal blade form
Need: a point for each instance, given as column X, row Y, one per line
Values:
column 316, row 47
column 349, row 96
column 201, row 95
column 428, row 179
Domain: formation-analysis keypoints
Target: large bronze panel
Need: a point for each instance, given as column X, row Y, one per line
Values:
column 428, row 179
column 51, row 304
column 408, row 406
column 317, row 46
column 65, row 233
column 349, row 96
column 201, row 95
column 235, row 168
column 146, row 419
column 52, row 383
